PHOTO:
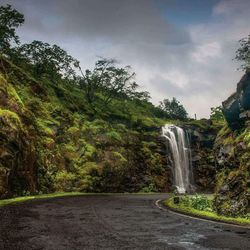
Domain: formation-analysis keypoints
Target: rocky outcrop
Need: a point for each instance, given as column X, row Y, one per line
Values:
column 202, row 136
column 232, row 154
column 232, row 151
column 236, row 108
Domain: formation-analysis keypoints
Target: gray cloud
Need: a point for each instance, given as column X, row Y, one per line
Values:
column 110, row 20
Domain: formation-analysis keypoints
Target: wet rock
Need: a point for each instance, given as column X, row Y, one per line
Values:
column 202, row 136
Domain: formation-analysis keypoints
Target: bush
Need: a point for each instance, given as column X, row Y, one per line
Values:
column 149, row 189
column 64, row 181
column 113, row 135
column 199, row 202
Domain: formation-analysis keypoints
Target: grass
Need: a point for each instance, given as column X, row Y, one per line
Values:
column 17, row 200
column 205, row 214
column 42, row 196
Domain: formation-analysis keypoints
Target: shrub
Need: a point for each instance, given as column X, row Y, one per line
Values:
column 113, row 135
column 149, row 189
column 199, row 202
column 64, row 181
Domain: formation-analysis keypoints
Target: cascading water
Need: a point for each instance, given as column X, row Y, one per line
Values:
column 179, row 146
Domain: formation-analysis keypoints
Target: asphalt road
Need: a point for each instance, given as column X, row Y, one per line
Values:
column 110, row 222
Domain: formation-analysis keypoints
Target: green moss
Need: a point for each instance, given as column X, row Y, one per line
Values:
column 225, row 131
column 118, row 156
column 11, row 118
column 113, row 135
column 73, row 130
column 205, row 214
column 42, row 196
column 64, row 181
column 43, row 127
column 47, row 142
column 89, row 150
column 14, row 96
column 203, row 123
column 121, row 127
column 228, row 140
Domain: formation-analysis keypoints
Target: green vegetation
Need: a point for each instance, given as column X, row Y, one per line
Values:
column 173, row 109
column 217, row 114
column 47, row 59
column 87, row 132
column 232, row 188
column 201, row 206
column 42, row 196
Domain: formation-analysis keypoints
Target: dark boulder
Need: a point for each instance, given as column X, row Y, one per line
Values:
column 236, row 108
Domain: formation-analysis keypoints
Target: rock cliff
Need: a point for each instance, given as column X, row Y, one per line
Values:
column 202, row 137
column 232, row 150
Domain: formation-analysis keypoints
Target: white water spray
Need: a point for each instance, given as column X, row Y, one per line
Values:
column 179, row 146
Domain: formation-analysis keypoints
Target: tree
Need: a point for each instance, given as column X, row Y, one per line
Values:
column 10, row 19
column 107, row 82
column 217, row 114
column 243, row 53
column 173, row 109
column 48, row 59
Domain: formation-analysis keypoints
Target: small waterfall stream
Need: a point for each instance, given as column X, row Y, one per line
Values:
column 179, row 146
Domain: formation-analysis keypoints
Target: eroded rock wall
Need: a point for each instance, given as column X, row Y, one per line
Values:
column 202, row 136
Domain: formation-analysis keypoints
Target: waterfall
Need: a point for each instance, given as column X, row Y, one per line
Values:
column 179, row 145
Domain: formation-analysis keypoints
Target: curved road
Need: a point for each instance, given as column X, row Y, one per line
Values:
column 110, row 222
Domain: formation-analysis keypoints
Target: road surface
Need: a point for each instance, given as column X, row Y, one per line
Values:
column 110, row 222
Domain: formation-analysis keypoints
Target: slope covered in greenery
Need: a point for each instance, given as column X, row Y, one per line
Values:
column 52, row 141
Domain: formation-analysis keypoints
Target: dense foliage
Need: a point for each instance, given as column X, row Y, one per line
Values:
column 46, row 59
column 243, row 53
column 173, row 109
column 65, row 131
column 198, row 202
column 217, row 114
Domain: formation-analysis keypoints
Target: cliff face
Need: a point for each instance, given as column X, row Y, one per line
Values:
column 202, row 136
column 232, row 149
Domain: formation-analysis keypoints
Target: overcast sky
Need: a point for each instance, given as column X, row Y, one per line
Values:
column 181, row 48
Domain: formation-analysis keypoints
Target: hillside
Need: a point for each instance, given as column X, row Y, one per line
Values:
column 52, row 141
